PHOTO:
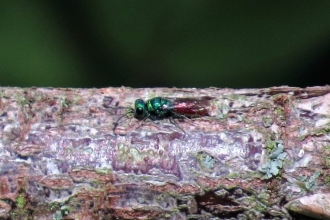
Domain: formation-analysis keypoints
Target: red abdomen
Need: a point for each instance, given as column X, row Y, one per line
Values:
column 190, row 107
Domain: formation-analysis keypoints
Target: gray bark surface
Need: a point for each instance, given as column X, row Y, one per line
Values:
column 260, row 154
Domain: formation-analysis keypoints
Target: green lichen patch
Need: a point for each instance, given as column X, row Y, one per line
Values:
column 20, row 201
column 310, row 183
column 274, row 161
column 317, row 132
column 103, row 171
column 206, row 161
column 223, row 110
column 267, row 121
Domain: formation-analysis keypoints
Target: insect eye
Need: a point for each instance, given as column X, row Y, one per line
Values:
column 140, row 108
column 139, row 111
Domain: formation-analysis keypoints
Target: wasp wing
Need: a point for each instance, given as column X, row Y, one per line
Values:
column 191, row 107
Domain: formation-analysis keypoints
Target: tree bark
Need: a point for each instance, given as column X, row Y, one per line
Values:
column 260, row 154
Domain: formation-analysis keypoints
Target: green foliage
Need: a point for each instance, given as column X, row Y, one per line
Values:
column 188, row 43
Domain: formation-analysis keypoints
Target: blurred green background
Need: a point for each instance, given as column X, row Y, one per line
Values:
column 182, row 43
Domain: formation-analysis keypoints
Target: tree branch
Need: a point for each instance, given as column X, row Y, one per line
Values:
column 261, row 153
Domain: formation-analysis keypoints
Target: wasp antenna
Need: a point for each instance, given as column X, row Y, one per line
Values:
column 130, row 111
column 117, row 107
column 114, row 110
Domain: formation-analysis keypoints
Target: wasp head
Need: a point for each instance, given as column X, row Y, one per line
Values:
column 140, row 109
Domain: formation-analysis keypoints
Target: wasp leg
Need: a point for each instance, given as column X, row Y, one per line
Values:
column 144, row 119
column 176, row 124
column 184, row 117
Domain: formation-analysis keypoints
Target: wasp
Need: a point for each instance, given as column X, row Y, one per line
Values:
column 159, row 108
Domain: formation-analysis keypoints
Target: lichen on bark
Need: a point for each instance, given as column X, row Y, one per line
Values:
column 260, row 154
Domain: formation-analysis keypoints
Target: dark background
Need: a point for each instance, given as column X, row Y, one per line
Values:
column 182, row 43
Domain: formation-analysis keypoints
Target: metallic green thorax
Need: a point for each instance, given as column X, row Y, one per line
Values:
column 155, row 108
